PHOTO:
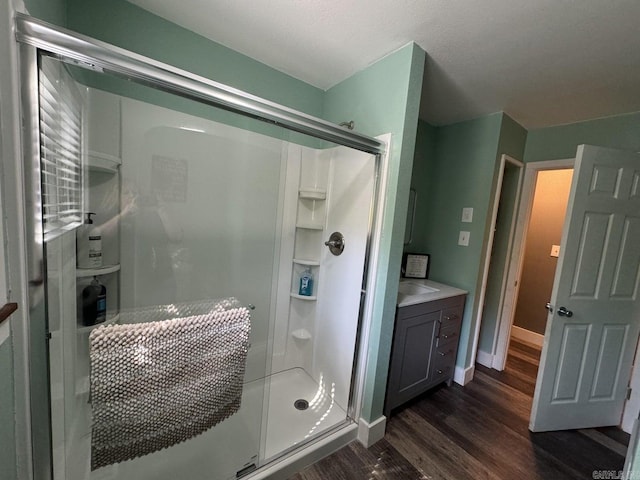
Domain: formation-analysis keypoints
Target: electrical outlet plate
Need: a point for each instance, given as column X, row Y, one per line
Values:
column 467, row 214
column 463, row 238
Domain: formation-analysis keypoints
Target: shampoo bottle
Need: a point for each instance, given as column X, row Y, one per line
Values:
column 88, row 244
column 94, row 303
column 306, row 283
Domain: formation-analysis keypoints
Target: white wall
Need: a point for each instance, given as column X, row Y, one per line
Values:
column 349, row 199
column 230, row 231
column 201, row 210
column 320, row 336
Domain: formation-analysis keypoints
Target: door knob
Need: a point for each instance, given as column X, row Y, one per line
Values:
column 549, row 307
column 563, row 312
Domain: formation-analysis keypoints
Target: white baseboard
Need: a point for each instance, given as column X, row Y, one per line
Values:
column 462, row 376
column 527, row 336
column 484, row 358
column 370, row 433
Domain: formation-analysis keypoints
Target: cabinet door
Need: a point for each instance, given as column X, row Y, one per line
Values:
column 411, row 358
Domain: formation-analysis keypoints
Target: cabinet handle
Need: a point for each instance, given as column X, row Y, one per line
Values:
column 450, row 317
column 449, row 336
column 439, row 372
column 442, row 354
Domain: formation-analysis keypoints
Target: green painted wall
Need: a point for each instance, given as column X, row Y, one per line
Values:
column 384, row 98
column 52, row 11
column 621, row 131
column 462, row 175
column 462, row 172
column 7, row 414
column 123, row 24
column 421, row 179
column 513, row 138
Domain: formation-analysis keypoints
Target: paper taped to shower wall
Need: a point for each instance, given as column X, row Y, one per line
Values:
column 166, row 375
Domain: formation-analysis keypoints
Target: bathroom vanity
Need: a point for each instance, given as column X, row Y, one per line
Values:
column 425, row 340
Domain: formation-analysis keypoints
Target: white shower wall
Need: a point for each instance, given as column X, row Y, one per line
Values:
column 204, row 217
column 331, row 321
column 349, row 201
column 229, row 228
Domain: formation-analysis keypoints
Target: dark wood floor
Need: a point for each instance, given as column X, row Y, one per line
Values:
column 476, row 432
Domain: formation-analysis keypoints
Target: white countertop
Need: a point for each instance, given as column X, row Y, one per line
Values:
column 421, row 291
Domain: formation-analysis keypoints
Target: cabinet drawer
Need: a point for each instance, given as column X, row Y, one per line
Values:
column 446, row 353
column 449, row 326
column 444, row 356
column 449, row 333
column 452, row 315
column 442, row 372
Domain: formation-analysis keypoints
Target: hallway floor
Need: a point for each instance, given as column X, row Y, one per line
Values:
column 477, row 431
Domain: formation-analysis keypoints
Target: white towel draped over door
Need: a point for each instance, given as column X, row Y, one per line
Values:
column 173, row 374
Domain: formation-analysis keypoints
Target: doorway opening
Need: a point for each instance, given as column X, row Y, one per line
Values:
column 497, row 358
column 520, row 257
column 541, row 251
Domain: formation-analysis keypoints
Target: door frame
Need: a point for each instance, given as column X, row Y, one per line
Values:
column 504, row 159
column 514, row 272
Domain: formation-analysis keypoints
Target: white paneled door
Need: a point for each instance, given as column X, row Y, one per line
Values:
column 594, row 319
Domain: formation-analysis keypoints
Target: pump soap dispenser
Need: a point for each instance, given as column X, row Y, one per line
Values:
column 88, row 244
column 94, row 303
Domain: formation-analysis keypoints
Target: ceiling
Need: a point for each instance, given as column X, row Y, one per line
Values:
column 544, row 62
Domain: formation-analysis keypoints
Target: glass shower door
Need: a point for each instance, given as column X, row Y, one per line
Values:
column 187, row 211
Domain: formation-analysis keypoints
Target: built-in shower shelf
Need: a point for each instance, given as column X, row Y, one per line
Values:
column 309, row 263
column 312, row 193
column 308, row 298
column 301, row 334
column 111, row 319
column 94, row 272
column 102, row 162
column 310, row 226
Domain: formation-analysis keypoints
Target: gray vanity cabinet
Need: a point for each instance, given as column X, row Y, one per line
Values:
column 425, row 344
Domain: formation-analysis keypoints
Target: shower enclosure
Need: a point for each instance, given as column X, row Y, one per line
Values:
column 195, row 198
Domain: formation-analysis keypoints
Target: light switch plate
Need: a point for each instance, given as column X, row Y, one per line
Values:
column 463, row 239
column 467, row 214
column 555, row 251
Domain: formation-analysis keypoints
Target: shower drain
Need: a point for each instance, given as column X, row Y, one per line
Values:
column 301, row 404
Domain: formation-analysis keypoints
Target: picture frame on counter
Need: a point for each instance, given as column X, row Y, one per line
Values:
column 415, row 265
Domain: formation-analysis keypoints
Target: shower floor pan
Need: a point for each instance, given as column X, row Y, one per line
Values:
column 288, row 425
column 224, row 449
